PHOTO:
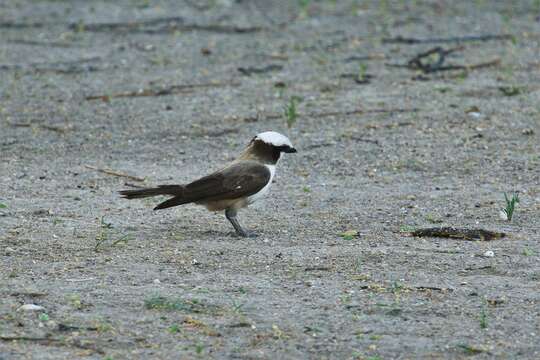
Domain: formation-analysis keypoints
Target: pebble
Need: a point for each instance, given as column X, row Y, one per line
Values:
column 156, row 281
column 489, row 253
column 31, row 307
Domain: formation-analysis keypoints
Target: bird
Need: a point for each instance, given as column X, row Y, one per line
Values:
column 239, row 184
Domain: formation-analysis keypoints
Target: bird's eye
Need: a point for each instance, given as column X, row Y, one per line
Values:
column 286, row 149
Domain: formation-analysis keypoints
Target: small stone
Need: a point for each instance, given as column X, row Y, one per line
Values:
column 156, row 281
column 503, row 215
column 474, row 112
column 51, row 324
column 489, row 253
column 31, row 307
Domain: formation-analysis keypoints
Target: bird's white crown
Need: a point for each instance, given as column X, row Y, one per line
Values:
column 274, row 138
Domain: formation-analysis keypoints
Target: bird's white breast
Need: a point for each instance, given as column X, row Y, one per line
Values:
column 266, row 188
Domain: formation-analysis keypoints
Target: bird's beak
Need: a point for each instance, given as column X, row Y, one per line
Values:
column 290, row 150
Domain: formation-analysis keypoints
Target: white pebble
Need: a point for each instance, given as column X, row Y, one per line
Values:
column 31, row 307
column 489, row 253
column 156, row 281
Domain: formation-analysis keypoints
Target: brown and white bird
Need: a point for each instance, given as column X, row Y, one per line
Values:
column 237, row 185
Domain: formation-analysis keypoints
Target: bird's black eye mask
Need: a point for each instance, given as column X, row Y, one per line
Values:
column 285, row 148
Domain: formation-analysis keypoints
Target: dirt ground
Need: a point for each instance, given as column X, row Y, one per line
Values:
column 166, row 91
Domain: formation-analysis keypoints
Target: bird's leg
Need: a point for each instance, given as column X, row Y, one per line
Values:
column 231, row 216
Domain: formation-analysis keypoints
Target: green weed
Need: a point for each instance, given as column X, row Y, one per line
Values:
column 104, row 235
column 508, row 211
column 199, row 348
column 158, row 302
column 362, row 76
column 304, row 7
column 290, row 111
column 173, row 329
column 483, row 318
column 349, row 234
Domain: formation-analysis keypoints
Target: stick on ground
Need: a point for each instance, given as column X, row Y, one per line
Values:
column 169, row 90
column 424, row 61
column 457, row 233
column 458, row 39
column 114, row 173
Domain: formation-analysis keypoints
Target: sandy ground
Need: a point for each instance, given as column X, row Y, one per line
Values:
column 168, row 91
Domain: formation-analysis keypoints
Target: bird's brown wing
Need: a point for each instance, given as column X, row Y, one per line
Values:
column 237, row 180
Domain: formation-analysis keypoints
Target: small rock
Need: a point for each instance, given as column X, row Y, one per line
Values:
column 31, row 307
column 9, row 250
column 51, row 324
column 474, row 112
column 156, row 281
column 496, row 302
column 503, row 215
column 42, row 212
column 489, row 253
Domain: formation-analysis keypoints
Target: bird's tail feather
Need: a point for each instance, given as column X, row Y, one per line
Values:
column 175, row 201
column 175, row 190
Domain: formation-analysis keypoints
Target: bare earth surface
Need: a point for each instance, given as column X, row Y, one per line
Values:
column 153, row 89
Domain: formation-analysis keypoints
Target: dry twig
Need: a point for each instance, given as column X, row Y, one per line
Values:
column 169, row 90
column 114, row 173
column 420, row 61
column 162, row 26
column 43, row 126
column 457, row 233
column 457, row 39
